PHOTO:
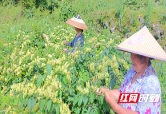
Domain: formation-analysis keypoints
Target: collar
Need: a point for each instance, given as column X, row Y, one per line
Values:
column 147, row 72
column 78, row 35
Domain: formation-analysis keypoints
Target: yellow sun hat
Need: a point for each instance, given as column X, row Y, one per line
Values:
column 77, row 22
column 143, row 43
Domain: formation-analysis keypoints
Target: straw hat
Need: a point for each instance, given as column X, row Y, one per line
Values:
column 77, row 22
column 143, row 43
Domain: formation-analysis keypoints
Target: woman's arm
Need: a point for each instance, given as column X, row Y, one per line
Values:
column 116, row 93
column 79, row 40
column 71, row 44
column 110, row 98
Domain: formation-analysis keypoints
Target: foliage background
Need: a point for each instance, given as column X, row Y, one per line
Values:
column 34, row 68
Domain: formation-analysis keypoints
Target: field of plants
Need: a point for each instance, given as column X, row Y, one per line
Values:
column 36, row 76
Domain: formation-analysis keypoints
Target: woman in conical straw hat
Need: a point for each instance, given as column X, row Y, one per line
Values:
column 141, row 77
column 79, row 26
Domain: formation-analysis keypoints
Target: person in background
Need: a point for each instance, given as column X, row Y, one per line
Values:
column 141, row 77
column 79, row 26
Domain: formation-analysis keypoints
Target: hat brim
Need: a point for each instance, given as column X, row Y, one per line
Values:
column 136, row 52
column 77, row 24
column 143, row 43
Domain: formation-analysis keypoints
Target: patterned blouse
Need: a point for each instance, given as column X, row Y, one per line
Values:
column 147, row 83
column 79, row 38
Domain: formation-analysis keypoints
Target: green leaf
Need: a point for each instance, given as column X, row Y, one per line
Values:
column 78, row 110
column 49, row 69
column 74, row 80
column 71, row 91
column 91, row 97
column 64, row 80
column 84, row 77
column 33, row 102
column 91, row 112
column 41, row 104
column 89, row 109
column 49, row 105
column 106, row 106
column 75, row 101
column 85, row 101
column 99, row 99
column 21, row 97
column 112, row 83
column 102, row 98
column 83, row 110
column 96, row 110
column 25, row 102
column 60, row 93
column 80, row 100
column 57, row 109
column 39, row 80
column 29, row 104
column 70, row 98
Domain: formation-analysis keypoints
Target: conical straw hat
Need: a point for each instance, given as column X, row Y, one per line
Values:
column 143, row 43
column 77, row 22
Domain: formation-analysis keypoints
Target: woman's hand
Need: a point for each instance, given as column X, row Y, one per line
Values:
column 109, row 97
column 64, row 50
column 64, row 42
column 102, row 90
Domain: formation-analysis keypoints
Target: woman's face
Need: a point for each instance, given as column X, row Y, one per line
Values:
column 77, row 29
column 136, row 63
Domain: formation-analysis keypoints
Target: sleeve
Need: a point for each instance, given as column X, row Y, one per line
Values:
column 153, row 103
column 79, row 40
column 71, row 43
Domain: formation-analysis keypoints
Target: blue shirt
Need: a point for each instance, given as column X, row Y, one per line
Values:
column 79, row 38
column 147, row 83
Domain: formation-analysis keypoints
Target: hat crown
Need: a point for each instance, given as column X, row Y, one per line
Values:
column 78, row 17
column 145, row 27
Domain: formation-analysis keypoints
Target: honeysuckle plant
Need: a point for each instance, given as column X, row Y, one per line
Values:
column 44, row 79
